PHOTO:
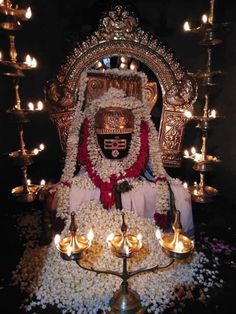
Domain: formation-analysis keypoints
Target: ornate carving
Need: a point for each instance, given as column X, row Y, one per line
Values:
column 171, row 137
column 99, row 83
column 62, row 120
column 118, row 23
column 114, row 120
column 119, row 35
column 151, row 94
column 181, row 95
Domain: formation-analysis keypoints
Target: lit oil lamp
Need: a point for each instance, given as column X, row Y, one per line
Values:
column 208, row 29
column 202, row 193
column 72, row 246
column 13, row 16
column 176, row 245
column 205, row 119
column 124, row 244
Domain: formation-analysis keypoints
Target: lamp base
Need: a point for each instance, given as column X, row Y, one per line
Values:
column 126, row 303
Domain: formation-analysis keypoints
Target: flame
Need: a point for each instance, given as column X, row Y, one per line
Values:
column 57, row 239
column 40, row 105
column 110, row 238
column 186, row 26
column 186, row 153
column 28, row 181
column 139, row 237
column 158, row 234
column 0, row 55
column 126, row 250
column 197, row 157
column 90, row 235
column 41, row 146
column 28, row 13
column 185, row 185
column 43, row 182
column 36, row 151
column 179, row 246
column 204, row 18
column 69, row 250
column 33, row 63
column 31, row 106
column 193, row 150
column 213, row 113
column 28, row 60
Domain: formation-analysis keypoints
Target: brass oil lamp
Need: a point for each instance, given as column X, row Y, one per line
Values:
column 72, row 246
column 124, row 245
column 176, row 245
column 203, row 162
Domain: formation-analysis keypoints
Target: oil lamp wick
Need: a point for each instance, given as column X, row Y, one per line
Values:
column 73, row 227
column 123, row 226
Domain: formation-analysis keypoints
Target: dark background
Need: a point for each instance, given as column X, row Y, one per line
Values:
column 50, row 36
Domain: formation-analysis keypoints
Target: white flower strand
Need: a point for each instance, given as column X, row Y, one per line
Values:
column 103, row 167
column 63, row 193
column 51, row 280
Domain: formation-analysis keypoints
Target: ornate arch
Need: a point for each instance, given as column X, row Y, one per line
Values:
column 119, row 35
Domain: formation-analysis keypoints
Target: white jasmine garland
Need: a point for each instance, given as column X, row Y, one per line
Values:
column 104, row 167
column 50, row 280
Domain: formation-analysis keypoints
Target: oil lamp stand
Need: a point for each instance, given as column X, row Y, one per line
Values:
column 204, row 163
column 11, row 18
column 124, row 245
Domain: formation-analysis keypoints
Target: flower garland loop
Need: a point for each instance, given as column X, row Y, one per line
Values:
column 102, row 172
column 107, row 187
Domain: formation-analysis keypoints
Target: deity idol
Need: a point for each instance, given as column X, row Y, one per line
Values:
column 113, row 155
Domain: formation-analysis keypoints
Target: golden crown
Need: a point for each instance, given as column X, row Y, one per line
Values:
column 114, row 120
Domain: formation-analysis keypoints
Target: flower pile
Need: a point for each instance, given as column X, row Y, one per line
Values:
column 49, row 280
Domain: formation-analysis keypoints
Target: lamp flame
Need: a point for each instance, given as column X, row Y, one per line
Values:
column 41, row 146
column 139, row 237
column 57, row 239
column 110, row 238
column 36, row 151
column 193, row 150
column 186, row 26
column 69, row 250
column 213, row 113
column 28, row 60
column 34, row 63
column 204, row 18
column 185, row 185
column 40, row 105
column 126, row 250
column 186, row 153
column 31, row 106
column 179, row 246
column 28, row 13
column 158, row 234
column 90, row 235
column 28, row 181
column 43, row 182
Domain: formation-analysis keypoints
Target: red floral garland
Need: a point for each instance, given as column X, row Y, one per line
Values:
column 107, row 196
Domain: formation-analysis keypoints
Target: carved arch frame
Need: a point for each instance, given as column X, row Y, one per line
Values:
column 177, row 87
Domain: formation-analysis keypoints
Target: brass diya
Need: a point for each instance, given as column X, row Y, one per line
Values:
column 176, row 245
